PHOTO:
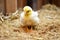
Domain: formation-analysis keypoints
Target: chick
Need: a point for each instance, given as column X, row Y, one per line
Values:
column 29, row 18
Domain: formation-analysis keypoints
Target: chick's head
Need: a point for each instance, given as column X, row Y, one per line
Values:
column 27, row 10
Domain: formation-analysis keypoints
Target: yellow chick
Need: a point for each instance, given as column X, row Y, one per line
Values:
column 29, row 18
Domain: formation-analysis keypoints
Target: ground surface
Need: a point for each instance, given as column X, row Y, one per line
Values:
column 48, row 29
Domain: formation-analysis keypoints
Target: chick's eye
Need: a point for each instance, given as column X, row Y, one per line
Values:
column 27, row 11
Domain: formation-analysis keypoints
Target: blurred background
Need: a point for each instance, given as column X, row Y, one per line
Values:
column 10, row 6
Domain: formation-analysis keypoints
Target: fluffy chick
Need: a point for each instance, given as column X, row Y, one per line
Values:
column 29, row 17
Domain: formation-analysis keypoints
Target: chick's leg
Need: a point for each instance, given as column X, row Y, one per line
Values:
column 25, row 28
column 29, row 28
